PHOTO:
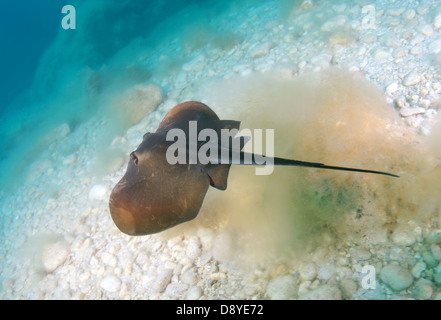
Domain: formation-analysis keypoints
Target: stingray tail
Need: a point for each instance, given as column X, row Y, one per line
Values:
column 297, row 163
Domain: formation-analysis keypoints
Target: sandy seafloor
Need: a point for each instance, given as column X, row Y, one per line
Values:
column 57, row 237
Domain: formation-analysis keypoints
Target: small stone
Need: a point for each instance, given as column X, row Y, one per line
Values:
column 409, row 14
column 422, row 289
column 360, row 254
column 381, row 54
column 436, row 251
column 70, row 159
column 427, row 30
column 109, row 259
column 403, row 237
column 396, row 277
column 325, row 292
column 261, row 50
column 110, row 283
column 282, row 288
column 435, row 47
column 434, row 237
column 418, row 269
column 334, row 22
column 308, row 272
column 437, row 21
column 194, row 293
column 55, row 254
column 98, row 192
column 429, row 259
column 193, row 250
column 162, row 281
column 349, row 288
column 411, row 79
column 408, row 112
column 392, row 88
column 176, row 290
column 396, row 11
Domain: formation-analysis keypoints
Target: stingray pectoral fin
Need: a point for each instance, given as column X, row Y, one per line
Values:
column 218, row 174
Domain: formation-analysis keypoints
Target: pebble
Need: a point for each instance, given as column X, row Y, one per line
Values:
column 55, row 254
column 110, row 283
column 437, row 21
column 176, row 290
column 411, row 79
column 98, row 192
column 435, row 47
column 436, row 251
column 418, row 269
column 434, row 237
column 404, row 237
column 193, row 250
column 422, row 289
column 282, row 288
column 410, row 111
column 308, row 271
column 325, row 292
column 396, row 277
column 392, row 88
column 162, row 281
column 194, row 293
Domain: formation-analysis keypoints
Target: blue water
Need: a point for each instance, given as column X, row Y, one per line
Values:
column 51, row 72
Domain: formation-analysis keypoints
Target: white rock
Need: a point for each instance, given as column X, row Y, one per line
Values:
column 282, row 288
column 334, row 22
column 176, row 290
column 403, row 237
column 55, row 254
column 193, row 249
column 325, row 292
column 396, row 11
column 409, row 14
column 409, row 111
column 109, row 259
column 436, row 251
column 411, row 79
column 194, row 293
column 418, row 269
column 261, row 50
column 437, row 21
column 111, row 283
column 206, row 237
column 162, row 281
column 70, row 159
column 98, row 192
column 435, row 47
column 360, row 254
column 434, row 237
column 392, row 88
column 422, row 289
column 308, row 271
column 427, row 30
column 396, row 277
column 382, row 54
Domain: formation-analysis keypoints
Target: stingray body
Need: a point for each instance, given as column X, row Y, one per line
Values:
column 155, row 195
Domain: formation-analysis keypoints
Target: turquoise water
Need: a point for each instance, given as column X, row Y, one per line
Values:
column 75, row 102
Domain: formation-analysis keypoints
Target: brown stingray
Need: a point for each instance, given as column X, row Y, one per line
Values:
column 154, row 195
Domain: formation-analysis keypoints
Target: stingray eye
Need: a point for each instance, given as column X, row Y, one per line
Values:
column 145, row 135
column 134, row 157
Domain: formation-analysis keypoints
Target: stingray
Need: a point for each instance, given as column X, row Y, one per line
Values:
column 155, row 195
